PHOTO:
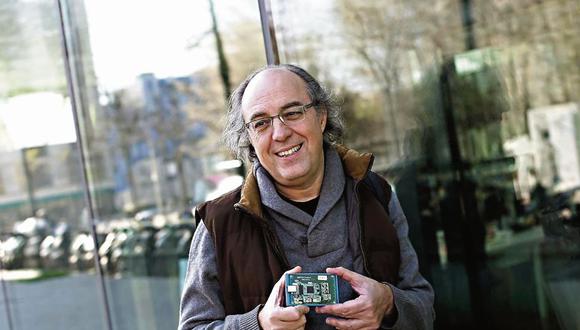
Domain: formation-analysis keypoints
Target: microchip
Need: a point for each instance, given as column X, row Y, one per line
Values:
column 311, row 289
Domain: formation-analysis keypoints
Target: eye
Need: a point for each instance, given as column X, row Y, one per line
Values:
column 261, row 124
column 293, row 114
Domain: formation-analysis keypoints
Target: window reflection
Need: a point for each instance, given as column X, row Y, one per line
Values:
column 152, row 126
column 41, row 194
column 470, row 110
column 150, row 86
column 469, row 106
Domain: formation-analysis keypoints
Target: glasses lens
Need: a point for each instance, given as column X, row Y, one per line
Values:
column 291, row 115
column 260, row 125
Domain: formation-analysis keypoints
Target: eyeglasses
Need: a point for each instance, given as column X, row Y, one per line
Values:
column 289, row 117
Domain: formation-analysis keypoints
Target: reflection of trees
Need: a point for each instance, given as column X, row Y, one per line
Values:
column 401, row 43
column 30, row 48
column 478, row 102
column 10, row 34
column 539, row 41
column 406, row 53
column 174, row 119
column 395, row 43
column 124, row 118
column 365, row 30
column 360, row 118
column 151, row 120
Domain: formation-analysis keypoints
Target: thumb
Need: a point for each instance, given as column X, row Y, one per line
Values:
column 277, row 293
column 302, row 309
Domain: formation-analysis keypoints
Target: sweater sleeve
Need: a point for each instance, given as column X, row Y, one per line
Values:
column 201, row 300
column 413, row 295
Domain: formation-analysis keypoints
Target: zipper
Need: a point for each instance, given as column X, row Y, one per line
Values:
column 360, row 240
column 269, row 233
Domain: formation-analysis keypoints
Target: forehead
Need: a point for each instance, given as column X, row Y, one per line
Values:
column 271, row 89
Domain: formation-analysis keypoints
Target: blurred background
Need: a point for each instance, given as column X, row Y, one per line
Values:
column 110, row 121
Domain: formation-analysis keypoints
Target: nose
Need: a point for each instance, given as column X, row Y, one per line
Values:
column 280, row 131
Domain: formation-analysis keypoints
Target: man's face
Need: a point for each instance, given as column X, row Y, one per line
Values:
column 293, row 155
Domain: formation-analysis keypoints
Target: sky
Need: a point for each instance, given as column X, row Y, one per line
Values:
column 127, row 38
column 37, row 119
column 131, row 37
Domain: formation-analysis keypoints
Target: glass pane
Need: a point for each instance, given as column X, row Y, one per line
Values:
column 41, row 192
column 472, row 111
column 152, row 85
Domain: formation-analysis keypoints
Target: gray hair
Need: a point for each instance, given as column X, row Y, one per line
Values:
column 235, row 135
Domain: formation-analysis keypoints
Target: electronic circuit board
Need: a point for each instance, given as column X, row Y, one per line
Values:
column 311, row 289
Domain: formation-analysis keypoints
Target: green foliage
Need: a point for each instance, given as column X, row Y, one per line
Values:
column 478, row 99
column 361, row 117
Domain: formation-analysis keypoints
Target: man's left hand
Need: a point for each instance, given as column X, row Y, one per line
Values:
column 375, row 301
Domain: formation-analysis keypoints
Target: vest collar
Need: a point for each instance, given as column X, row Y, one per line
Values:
column 356, row 165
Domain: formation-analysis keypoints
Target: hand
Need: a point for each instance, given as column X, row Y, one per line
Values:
column 274, row 316
column 375, row 300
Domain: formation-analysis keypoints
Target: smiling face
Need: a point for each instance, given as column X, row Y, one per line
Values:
column 293, row 155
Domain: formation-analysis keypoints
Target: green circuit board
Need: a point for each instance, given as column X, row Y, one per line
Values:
column 311, row 289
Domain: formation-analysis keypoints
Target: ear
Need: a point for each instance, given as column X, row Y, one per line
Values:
column 322, row 115
column 252, row 152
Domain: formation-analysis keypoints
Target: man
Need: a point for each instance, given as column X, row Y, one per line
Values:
column 305, row 206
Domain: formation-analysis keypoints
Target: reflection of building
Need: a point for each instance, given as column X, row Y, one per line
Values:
column 53, row 182
column 549, row 155
column 152, row 127
column 38, row 151
column 39, row 163
column 554, row 132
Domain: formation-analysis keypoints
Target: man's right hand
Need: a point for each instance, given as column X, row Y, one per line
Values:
column 274, row 316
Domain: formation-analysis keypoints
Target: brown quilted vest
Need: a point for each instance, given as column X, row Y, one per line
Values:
column 249, row 256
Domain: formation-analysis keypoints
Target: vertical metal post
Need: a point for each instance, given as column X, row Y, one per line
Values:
column 467, row 18
column 71, row 77
column 268, row 32
column 223, row 62
column 5, row 294
column 29, row 182
column 472, row 262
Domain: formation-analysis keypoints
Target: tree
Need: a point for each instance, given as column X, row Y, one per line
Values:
column 124, row 118
column 394, row 41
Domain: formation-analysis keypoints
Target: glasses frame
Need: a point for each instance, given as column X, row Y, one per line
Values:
column 303, row 108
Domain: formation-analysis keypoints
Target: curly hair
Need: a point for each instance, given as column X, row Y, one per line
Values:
column 235, row 135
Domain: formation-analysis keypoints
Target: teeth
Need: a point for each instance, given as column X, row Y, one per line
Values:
column 289, row 152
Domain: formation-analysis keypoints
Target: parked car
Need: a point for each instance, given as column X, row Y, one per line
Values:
column 13, row 257
column 82, row 252
column 55, row 248
column 171, row 243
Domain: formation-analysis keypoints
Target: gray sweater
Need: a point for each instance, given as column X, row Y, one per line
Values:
column 201, row 303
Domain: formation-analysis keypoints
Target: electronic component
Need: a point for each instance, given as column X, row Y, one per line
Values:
column 311, row 289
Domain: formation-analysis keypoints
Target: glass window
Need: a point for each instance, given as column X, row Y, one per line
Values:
column 45, row 268
column 471, row 109
column 151, row 81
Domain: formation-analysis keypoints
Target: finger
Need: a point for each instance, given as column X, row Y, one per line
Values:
column 299, row 325
column 346, row 309
column 302, row 309
column 278, row 290
column 282, row 278
column 291, row 314
column 279, row 298
column 345, row 274
column 344, row 324
column 294, row 270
